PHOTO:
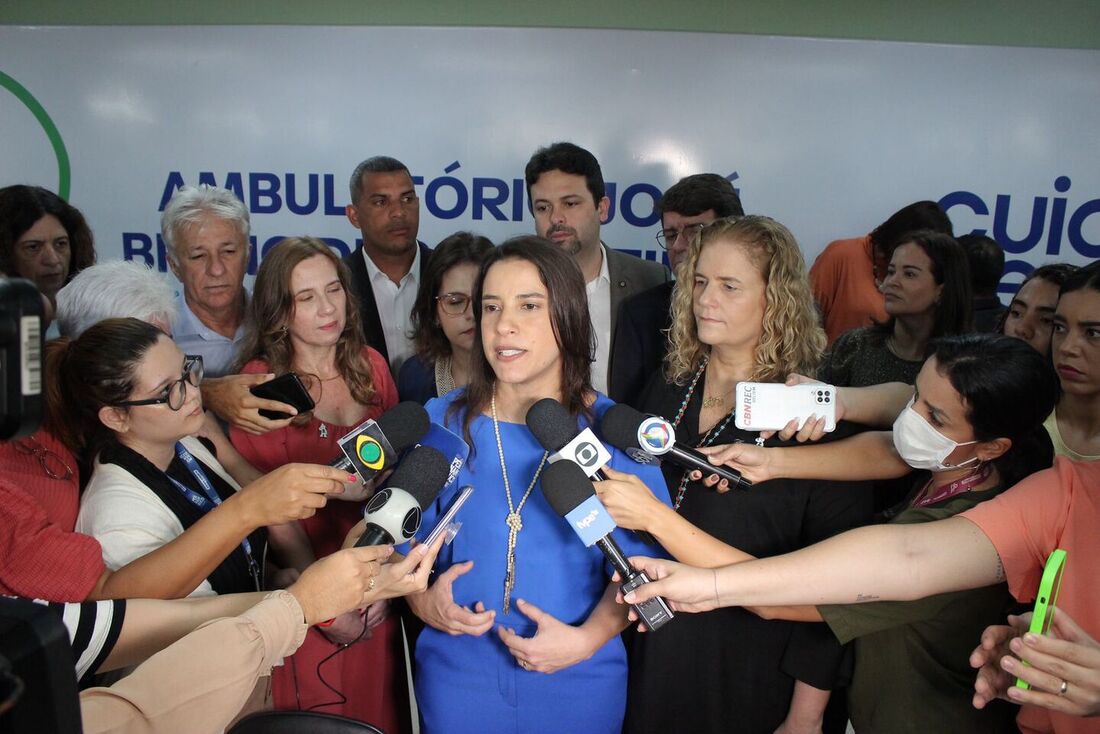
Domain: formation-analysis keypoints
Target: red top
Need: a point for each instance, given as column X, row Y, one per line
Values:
column 40, row 555
column 313, row 444
column 365, row 673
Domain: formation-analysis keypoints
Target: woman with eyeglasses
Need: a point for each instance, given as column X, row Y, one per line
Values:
column 305, row 320
column 443, row 321
column 131, row 402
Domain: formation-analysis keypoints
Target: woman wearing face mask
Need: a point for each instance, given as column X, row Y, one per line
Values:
column 974, row 422
column 443, row 321
column 927, row 295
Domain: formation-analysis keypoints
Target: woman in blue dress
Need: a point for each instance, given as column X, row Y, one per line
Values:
column 522, row 626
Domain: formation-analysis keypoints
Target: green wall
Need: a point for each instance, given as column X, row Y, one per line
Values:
column 1056, row 24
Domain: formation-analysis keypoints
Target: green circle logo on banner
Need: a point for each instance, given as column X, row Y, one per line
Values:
column 64, row 174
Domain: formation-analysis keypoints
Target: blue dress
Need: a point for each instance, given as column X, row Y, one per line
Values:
column 473, row 684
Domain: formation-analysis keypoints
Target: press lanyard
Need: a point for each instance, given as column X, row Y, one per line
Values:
column 209, row 502
column 957, row 487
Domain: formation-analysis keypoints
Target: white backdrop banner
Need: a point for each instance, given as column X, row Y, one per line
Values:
column 829, row 137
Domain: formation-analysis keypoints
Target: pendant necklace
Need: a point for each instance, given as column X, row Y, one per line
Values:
column 514, row 521
column 710, row 435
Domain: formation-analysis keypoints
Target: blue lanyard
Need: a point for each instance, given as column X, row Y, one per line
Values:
column 209, row 502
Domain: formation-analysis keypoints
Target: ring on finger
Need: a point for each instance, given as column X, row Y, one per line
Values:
column 524, row 664
column 1063, row 688
column 370, row 584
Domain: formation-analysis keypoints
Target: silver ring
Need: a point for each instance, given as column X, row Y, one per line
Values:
column 1064, row 687
column 524, row 664
column 370, row 584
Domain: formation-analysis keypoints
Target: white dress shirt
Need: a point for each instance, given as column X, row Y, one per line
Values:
column 395, row 303
column 599, row 309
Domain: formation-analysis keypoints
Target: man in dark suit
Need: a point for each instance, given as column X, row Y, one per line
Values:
column 639, row 343
column 387, row 268
column 566, row 189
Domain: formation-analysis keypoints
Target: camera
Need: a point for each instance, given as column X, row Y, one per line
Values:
column 21, row 336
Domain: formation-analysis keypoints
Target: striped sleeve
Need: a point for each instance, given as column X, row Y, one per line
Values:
column 93, row 628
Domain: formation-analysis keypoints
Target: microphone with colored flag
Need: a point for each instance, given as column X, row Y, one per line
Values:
column 374, row 446
column 647, row 439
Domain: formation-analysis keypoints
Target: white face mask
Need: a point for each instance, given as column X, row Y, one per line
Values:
column 921, row 446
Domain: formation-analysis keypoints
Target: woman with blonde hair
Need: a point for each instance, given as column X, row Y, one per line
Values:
column 304, row 319
column 742, row 311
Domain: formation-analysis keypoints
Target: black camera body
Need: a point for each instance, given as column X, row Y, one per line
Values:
column 21, row 338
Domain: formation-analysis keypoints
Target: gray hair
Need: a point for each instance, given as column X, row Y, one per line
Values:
column 118, row 289
column 377, row 164
column 191, row 204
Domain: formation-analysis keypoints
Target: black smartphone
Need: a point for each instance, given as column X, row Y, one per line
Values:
column 287, row 389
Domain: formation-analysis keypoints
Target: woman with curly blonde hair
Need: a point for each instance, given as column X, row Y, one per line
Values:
column 742, row 311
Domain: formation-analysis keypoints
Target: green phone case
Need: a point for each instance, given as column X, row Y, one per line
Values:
column 1045, row 600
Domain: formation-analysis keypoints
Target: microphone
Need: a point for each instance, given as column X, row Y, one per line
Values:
column 393, row 513
column 556, row 431
column 373, row 446
column 570, row 493
column 644, row 438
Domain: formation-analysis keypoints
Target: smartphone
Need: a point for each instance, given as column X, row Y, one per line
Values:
column 765, row 406
column 446, row 522
column 287, row 389
column 1049, row 586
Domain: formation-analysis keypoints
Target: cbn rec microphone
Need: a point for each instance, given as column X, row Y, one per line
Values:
column 393, row 513
column 373, row 446
column 645, row 438
column 556, row 431
column 569, row 492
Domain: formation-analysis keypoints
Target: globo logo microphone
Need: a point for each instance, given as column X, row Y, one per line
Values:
column 370, row 452
column 586, row 455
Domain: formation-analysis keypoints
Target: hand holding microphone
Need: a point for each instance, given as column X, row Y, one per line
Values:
column 570, row 494
column 648, row 438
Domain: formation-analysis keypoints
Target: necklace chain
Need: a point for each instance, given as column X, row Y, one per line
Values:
column 514, row 521
column 710, row 435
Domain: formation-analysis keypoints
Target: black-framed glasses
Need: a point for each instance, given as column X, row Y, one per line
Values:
column 667, row 237
column 54, row 466
column 454, row 304
column 176, row 393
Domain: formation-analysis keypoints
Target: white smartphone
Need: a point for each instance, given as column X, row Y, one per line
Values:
column 446, row 523
column 763, row 406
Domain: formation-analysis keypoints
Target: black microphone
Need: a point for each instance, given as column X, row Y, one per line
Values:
column 393, row 513
column 647, row 438
column 556, row 431
column 373, row 446
column 569, row 492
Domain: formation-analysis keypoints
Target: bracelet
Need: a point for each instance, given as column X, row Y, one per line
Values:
column 715, row 572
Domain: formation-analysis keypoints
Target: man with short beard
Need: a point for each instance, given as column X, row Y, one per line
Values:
column 566, row 189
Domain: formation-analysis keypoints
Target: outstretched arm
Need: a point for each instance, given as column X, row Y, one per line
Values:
column 887, row 562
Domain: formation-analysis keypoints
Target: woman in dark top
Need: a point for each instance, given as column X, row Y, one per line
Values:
column 742, row 311
column 443, row 322
column 927, row 292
